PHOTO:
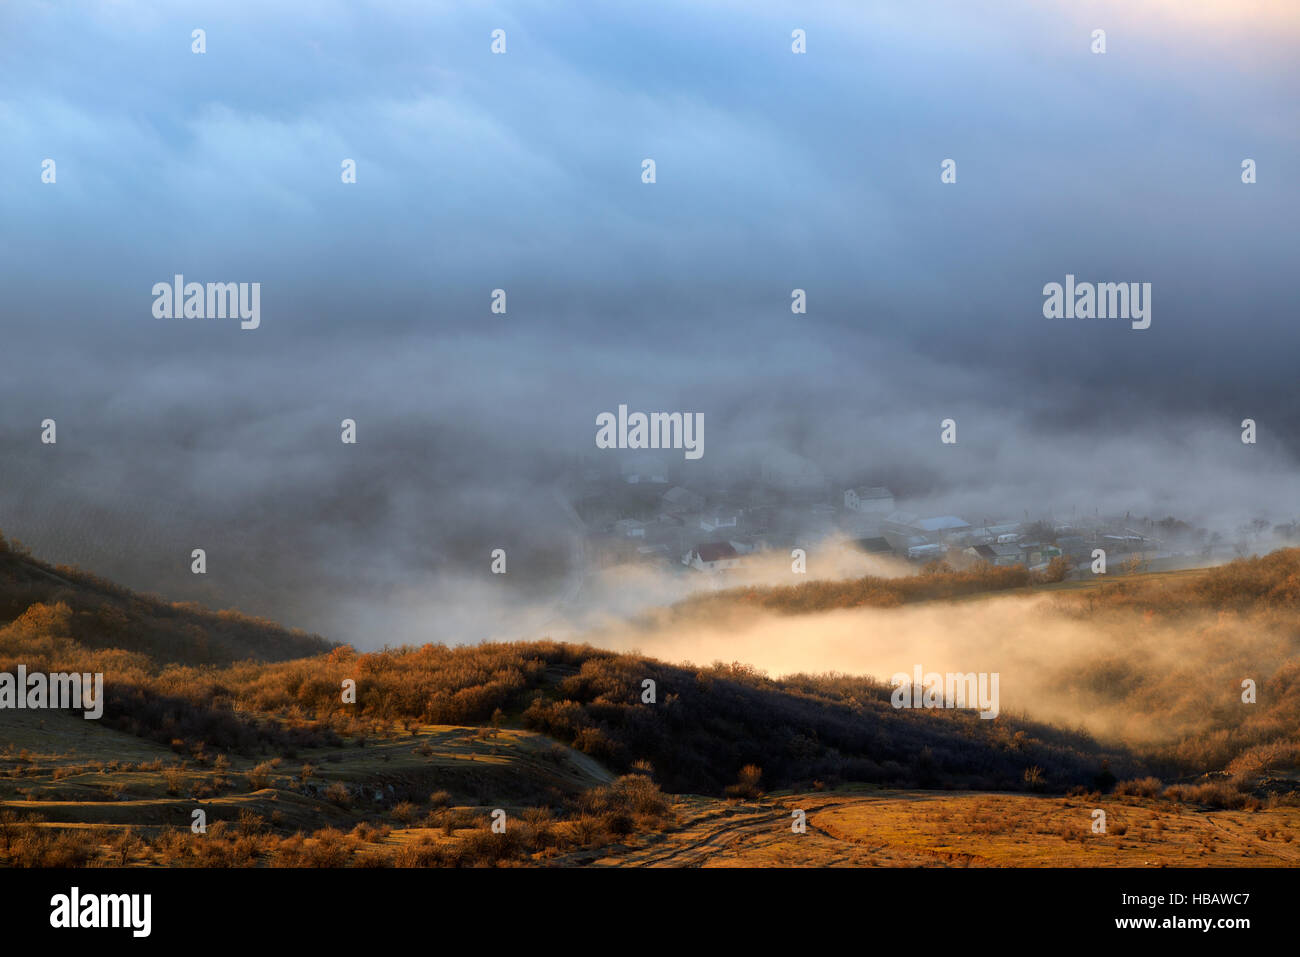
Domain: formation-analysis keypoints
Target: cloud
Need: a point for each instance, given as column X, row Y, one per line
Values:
column 521, row 172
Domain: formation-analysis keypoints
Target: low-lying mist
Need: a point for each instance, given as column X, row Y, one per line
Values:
column 1123, row 676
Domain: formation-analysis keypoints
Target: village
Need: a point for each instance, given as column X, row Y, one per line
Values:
column 642, row 515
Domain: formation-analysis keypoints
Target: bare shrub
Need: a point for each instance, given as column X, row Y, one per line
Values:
column 338, row 793
column 747, row 781
column 1148, row 787
column 260, row 776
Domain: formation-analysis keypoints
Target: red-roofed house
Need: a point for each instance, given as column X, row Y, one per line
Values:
column 714, row 556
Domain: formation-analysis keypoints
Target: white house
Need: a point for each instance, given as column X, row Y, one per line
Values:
column 716, row 518
column 871, row 499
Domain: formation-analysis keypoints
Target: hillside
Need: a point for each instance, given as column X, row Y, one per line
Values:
column 105, row 615
column 246, row 720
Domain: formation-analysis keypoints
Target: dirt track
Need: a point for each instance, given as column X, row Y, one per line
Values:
column 945, row 829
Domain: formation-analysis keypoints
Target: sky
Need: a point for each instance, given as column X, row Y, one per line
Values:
column 523, row 171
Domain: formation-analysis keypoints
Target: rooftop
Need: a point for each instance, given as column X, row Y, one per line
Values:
column 873, row 491
column 715, row 551
column 942, row 523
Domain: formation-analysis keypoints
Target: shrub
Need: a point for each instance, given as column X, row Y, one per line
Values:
column 175, row 778
column 746, row 785
column 338, row 793
column 1147, row 787
column 260, row 776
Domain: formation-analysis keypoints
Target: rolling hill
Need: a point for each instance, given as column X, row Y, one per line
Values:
column 251, row 723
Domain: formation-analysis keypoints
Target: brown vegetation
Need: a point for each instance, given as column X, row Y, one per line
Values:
column 174, row 676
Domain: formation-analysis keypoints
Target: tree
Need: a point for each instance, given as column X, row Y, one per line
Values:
column 1057, row 569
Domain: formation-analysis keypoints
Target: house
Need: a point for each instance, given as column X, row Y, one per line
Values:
column 715, row 556
column 1122, row 543
column 1030, row 554
column 629, row 528
column 943, row 527
column 748, row 544
column 875, row 500
column 1002, row 555
column 899, row 528
column 716, row 518
column 927, row 553
column 994, row 533
column 1034, row 554
column 902, row 528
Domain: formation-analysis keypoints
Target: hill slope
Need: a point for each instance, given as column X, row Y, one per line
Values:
column 246, row 720
column 105, row 615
